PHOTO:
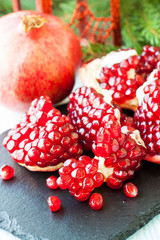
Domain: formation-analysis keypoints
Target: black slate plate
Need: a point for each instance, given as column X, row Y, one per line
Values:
column 24, row 198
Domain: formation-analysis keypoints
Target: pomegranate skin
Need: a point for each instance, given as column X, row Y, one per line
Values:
column 39, row 62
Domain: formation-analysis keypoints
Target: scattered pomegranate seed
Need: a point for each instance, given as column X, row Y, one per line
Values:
column 96, row 201
column 54, row 203
column 6, row 172
column 130, row 190
column 52, row 182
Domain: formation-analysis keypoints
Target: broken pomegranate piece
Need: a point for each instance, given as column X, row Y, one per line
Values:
column 44, row 138
column 80, row 177
column 119, row 74
column 114, row 76
column 88, row 111
column 148, row 60
column 147, row 116
column 118, row 148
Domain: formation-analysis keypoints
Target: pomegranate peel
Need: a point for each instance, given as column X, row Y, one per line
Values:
column 37, row 62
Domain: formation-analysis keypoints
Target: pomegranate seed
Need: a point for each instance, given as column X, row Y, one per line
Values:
column 52, row 182
column 6, row 172
column 96, row 201
column 130, row 190
column 54, row 203
column 64, row 181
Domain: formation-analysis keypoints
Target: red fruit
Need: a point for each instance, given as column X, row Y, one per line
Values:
column 52, row 182
column 81, row 178
column 44, row 138
column 54, row 203
column 118, row 148
column 39, row 65
column 147, row 117
column 96, row 201
column 115, row 76
column 130, row 190
column 88, row 111
column 119, row 74
column 6, row 172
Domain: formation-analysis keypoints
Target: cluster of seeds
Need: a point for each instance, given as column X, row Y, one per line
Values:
column 44, row 137
column 121, row 79
column 87, row 111
column 148, row 60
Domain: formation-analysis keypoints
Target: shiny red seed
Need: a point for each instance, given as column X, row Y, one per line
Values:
column 114, row 182
column 91, row 169
column 96, row 201
column 64, row 181
column 65, row 170
column 98, row 179
column 130, row 190
column 78, row 173
column 88, row 184
column 52, row 182
column 54, row 203
column 82, row 195
column 6, row 172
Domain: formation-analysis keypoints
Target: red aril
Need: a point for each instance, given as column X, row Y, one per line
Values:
column 6, row 172
column 130, row 190
column 96, row 201
column 54, row 203
column 52, row 182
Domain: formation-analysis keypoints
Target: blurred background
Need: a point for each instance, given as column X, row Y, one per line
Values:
column 140, row 23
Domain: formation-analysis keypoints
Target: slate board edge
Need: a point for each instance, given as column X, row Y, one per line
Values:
column 141, row 222
column 10, row 225
column 122, row 235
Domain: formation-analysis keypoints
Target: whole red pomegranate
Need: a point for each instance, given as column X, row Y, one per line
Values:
column 39, row 54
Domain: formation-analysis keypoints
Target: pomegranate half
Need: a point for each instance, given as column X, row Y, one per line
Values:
column 39, row 56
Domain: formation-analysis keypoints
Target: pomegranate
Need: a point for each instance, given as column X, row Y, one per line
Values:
column 119, row 74
column 39, row 56
column 147, row 116
column 44, row 138
column 118, row 148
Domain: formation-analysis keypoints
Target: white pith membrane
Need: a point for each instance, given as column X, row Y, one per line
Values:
column 42, row 169
column 89, row 73
column 107, row 171
column 140, row 95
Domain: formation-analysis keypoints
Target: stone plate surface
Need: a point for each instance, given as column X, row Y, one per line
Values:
column 24, row 200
